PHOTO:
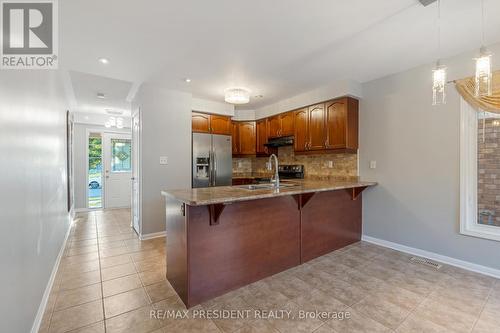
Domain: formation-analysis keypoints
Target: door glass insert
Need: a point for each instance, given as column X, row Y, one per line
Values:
column 95, row 171
column 121, row 155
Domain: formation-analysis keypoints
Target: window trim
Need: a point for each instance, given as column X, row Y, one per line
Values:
column 468, row 177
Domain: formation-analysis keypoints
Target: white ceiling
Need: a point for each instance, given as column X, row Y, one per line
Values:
column 275, row 48
column 87, row 86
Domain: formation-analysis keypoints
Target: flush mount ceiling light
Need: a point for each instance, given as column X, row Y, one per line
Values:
column 114, row 122
column 101, row 95
column 103, row 61
column 187, row 80
column 113, row 112
column 237, row 96
column 483, row 77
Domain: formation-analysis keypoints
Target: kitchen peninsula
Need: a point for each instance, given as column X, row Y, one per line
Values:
column 223, row 238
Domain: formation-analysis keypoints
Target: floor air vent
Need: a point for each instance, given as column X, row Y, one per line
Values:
column 426, row 262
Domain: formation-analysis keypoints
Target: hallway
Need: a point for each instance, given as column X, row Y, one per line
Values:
column 107, row 272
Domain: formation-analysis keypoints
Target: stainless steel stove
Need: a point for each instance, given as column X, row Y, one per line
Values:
column 294, row 171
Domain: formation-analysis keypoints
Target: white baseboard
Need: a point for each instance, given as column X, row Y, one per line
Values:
column 82, row 210
column 434, row 256
column 153, row 235
column 43, row 304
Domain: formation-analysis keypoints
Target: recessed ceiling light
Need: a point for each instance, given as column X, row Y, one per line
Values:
column 103, row 61
column 101, row 95
column 258, row 96
column 187, row 80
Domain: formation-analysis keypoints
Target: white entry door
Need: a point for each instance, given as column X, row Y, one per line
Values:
column 117, row 150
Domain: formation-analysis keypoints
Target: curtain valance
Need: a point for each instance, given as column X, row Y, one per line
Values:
column 491, row 103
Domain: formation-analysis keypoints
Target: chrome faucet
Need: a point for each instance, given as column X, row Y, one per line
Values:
column 276, row 180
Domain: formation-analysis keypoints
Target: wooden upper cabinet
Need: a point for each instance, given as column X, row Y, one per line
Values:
column 273, row 126
column 200, row 122
column 206, row 123
column 247, row 140
column 286, row 124
column 235, row 137
column 316, row 127
column 336, row 124
column 261, row 129
column 341, row 123
column 301, row 120
column 220, row 125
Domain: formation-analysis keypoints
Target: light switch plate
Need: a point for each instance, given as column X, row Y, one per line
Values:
column 163, row 160
column 330, row 164
column 373, row 164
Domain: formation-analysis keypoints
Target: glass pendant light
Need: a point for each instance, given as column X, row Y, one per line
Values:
column 439, row 72
column 483, row 77
column 439, row 84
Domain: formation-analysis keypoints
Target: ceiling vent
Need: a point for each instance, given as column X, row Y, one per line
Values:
column 426, row 2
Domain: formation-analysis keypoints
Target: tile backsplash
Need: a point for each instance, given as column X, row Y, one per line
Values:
column 320, row 165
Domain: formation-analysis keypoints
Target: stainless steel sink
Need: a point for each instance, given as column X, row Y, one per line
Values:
column 265, row 186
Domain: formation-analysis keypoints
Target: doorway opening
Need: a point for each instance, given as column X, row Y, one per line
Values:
column 94, row 171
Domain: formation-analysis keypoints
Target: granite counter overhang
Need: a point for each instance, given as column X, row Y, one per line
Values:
column 228, row 194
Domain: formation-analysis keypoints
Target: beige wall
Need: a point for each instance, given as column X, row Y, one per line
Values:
column 416, row 146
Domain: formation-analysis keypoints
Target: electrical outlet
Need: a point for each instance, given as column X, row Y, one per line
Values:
column 163, row 160
column 330, row 164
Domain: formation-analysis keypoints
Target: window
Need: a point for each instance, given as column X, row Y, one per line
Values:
column 121, row 150
column 479, row 173
column 95, row 171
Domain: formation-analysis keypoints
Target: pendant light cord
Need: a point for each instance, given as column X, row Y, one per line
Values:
column 439, row 27
column 482, row 22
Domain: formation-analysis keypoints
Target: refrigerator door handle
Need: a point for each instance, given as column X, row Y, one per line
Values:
column 215, row 167
column 209, row 168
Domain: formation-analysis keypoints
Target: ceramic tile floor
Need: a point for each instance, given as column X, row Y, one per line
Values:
column 109, row 281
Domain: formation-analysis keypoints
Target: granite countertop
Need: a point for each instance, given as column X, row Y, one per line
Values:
column 225, row 194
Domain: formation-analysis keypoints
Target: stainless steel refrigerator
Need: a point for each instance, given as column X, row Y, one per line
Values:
column 212, row 160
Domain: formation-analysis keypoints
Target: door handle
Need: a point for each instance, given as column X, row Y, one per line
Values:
column 215, row 168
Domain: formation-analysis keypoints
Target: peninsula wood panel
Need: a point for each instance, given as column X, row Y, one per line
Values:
column 176, row 246
column 329, row 221
column 253, row 240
